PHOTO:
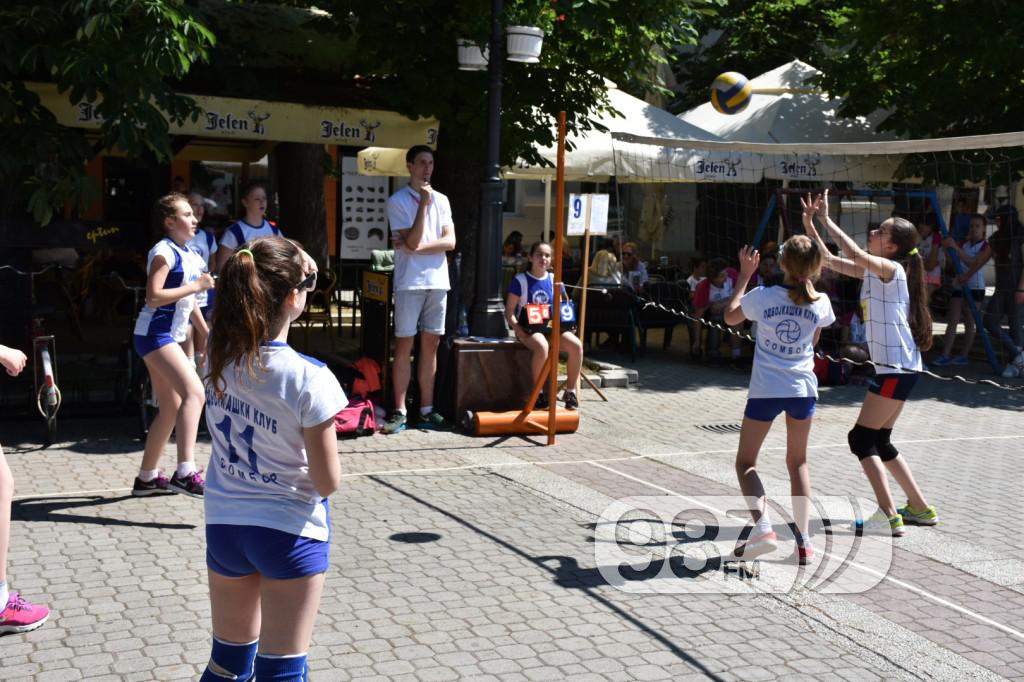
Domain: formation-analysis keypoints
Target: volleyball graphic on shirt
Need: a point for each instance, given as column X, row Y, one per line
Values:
column 788, row 331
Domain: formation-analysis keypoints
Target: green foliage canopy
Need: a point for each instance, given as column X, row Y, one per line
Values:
column 120, row 54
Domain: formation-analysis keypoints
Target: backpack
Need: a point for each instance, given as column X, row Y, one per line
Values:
column 356, row 419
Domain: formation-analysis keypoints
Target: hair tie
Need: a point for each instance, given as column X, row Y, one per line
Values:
column 241, row 251
column 912, row 252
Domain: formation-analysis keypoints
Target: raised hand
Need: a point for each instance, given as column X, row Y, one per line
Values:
column 749, row 260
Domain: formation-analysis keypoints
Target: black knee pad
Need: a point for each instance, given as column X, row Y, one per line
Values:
column 862, row 441
column 886, row 450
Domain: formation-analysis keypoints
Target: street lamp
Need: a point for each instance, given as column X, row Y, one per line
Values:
column 488, row 315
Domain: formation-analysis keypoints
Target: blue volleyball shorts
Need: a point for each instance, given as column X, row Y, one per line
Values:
column 238, row 551
column 767, row 409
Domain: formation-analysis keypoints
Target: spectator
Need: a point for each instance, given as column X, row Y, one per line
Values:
column 930, row 248
column 605, row 269
column 422, row 231
column 634, row 271
column 1005, row 246
column 698, row 271
column 768, row 273
column 974, row 249
column 709, row 301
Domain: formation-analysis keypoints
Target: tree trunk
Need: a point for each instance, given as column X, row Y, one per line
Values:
column 299, row 172
column 457, row 174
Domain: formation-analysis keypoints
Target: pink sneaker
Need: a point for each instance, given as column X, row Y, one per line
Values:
column 21, row 616
column 757, row 545
column 805, row 554
column 192, row 485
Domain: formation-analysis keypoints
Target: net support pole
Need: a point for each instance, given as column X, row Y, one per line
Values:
column 765, row 219
column 556, row 322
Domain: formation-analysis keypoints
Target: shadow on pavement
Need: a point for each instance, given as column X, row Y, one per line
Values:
column 47, row 509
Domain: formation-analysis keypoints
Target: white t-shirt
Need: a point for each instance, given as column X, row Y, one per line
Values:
column 977, row 280
column 413, row 270
column 885, row 307
column 258, row 473
column 172, row 318
column 784, row 359
column 203, row 245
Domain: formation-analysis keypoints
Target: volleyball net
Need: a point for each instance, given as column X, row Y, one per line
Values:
column 727, row 194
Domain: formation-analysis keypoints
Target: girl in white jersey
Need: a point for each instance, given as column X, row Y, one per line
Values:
column 789, row 320
column 253, row 225
column 973, row 250
column 894, row 298
column 270, row 412
column 174, row 279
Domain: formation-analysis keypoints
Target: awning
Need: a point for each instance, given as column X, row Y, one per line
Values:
column 267, row 122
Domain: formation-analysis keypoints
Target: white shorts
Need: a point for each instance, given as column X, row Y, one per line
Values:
column 420, row 310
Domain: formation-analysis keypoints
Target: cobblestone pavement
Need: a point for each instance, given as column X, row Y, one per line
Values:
column 457, row 557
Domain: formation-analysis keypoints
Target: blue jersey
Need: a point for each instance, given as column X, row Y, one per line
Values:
column 258, row 473
column 172, row 318
column 242, row 232
column 539, row 291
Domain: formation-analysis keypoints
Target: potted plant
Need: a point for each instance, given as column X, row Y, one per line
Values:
column 527, row 24
column 472, row 57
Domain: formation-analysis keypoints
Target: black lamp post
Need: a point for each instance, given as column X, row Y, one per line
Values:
column 488, row 315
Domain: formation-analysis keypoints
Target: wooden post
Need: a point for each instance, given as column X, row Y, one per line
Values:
column 556, row 323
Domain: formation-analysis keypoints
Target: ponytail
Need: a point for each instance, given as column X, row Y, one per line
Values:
column 804, row 292
column 801, row 260
column 920, row 316
column 904, row 235
column 251, row 289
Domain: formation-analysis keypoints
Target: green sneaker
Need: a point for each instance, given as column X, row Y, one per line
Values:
column 434, row 422
column 394, row 424
column 878, row 524
column 926, row 517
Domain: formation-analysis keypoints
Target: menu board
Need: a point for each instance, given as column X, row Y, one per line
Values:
column 364, row 213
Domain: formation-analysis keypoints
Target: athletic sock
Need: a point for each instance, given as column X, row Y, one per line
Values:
column 186, row 468
column 4, row 595
column 426, row 409
column 233, row 662
column 763, row 525
column 147, row 475
column 271, row 668
column 400, row 410
column 804, row 540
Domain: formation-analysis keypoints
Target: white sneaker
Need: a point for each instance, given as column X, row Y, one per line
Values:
column 1011, row 372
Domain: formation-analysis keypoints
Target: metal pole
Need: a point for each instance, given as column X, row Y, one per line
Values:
column 488, row 317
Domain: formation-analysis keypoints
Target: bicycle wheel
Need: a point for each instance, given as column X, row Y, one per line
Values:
column 48, row 396
column 48, row 407
column 148, row 405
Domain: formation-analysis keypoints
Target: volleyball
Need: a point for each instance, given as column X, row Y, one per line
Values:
column 730, row 93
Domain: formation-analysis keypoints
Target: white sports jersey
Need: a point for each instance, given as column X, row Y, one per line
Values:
column 203, row 245
column 784, row 359
column 977, row 280
column 885, row 307
column 258, row 473
column 413, row 270
column 242, row 232
column 171, row 318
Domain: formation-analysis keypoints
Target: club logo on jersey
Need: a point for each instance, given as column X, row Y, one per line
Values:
column 788, row 331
